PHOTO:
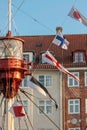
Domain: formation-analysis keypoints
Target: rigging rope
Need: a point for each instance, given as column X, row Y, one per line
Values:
column 34, row 19
column 25, row 93
column 26, row 113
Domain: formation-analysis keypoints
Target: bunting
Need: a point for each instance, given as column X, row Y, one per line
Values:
column 75, row 14
column 48, row 58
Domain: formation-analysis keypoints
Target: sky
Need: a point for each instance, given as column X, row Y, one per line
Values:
column 41, row 17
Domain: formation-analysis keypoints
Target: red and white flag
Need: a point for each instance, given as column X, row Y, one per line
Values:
column 17, row 110
column 48, row 58
column 74, row 13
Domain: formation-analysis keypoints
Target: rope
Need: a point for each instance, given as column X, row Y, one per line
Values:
column 26, row 114
column 40, row 109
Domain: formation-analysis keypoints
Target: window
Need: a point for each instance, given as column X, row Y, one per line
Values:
column 29, row 56
column 24, row 83
column 85, row 78
column 74, row 128
column 45, row 106
column 71, row 81
column 25, row 104
column 45, row 80
column 74, row 106
column 79, row 57
column 42, row 58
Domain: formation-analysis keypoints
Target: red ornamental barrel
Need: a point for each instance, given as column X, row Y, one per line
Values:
column 12, row 66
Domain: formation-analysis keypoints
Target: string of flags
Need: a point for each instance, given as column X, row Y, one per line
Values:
column 59, row 40
column 75, row 14
column 62, row 42
column 49, row 58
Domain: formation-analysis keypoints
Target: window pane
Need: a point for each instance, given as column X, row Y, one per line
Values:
column 26, row 57
column 48, row 109
column 71, row 81
column 41, row 79
column 41, row 109
column 48, row 102
column 71, row 108
column 81, row 57
column 76, row 57
column 25, row 104
column 76, row 101
column 76, row 108
column 71, row 102
column 41, row 102
column 48, row 80
column 25, row 81
column 75, row 83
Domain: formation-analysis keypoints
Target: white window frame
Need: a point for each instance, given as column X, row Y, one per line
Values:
column 44, row 106
column 77, row 128
column 78, row 57
column 47, row 80
column 74, row 82
column 74, row 106
column 30, row 56
column 85, row 78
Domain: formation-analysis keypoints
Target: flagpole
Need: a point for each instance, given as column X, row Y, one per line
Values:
column 59, row 31
column 9, row 15
column 10, row 118
column 9, row 101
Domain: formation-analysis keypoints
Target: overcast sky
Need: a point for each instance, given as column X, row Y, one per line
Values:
column 41, row 17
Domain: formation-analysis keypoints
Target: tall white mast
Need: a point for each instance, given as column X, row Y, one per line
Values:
column 9, row 15
column 9, row 102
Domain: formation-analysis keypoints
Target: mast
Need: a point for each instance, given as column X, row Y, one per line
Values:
column 9, row 15
column 13, row 68
column 9, row 102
